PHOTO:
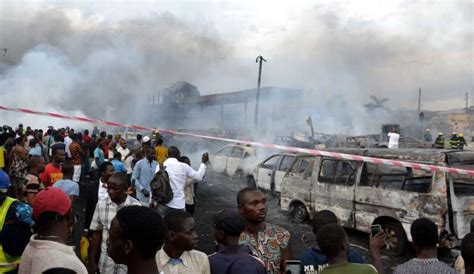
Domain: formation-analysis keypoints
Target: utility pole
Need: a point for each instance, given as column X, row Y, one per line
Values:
column 467, row 102
column 258, row 60
column 420, row 116
column 309, row 122
column 419, row 101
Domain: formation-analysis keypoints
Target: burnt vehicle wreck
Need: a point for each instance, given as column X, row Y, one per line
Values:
column 362, row 194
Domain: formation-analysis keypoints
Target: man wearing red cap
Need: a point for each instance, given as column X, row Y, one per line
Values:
column 47, row 249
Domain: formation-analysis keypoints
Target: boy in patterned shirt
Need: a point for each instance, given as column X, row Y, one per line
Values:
column 270, row 243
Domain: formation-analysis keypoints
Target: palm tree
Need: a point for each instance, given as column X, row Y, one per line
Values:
column 179, row 91
column 376, row 103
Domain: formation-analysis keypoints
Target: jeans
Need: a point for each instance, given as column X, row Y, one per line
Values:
column 163, row 210
column 85, row 166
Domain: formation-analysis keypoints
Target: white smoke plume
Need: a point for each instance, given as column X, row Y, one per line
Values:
column 70, row 59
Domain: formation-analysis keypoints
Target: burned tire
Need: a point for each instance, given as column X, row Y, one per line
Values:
column 251, row 182
column 396, row 239
column 299, row 213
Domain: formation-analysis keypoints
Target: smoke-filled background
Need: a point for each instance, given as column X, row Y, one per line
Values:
column 103, row 59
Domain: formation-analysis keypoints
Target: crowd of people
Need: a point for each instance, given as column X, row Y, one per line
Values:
column 138, row 206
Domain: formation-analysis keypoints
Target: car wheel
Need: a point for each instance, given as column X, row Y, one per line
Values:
column 251, row 182
column 396, row 239
column 299, row 213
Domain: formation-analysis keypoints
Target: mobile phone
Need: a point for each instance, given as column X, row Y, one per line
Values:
column 293, row 267
column 375, row 229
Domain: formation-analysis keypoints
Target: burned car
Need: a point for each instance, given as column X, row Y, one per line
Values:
column 362, row 194
column 269, row 173
column 233, row 160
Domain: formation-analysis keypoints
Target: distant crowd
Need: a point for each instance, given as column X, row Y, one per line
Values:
column 456, row 141
column 92, row 202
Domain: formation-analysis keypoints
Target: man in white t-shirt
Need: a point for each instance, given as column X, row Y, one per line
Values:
column 127, row 158
column 393, row 138
column 178, row 172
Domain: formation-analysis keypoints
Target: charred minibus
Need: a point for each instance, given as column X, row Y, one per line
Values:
column 362, row 194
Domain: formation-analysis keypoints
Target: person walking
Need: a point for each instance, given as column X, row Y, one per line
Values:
column 427, row 136
column 77, row 153
column 161, row 151
column 462, row 141
column 18, row 167
column 143, row 174
column 439, row 142
column 454, row 141
column 178, row 173
column 394, row 137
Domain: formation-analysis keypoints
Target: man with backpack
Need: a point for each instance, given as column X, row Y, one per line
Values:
column 174, row 176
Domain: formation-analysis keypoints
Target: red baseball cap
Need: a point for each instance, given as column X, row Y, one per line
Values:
column 52, row 200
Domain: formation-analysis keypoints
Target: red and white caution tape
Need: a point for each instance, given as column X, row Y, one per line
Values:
column 377, row 161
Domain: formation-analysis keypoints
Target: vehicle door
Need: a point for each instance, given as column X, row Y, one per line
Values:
column 462, row 202
column 219, row 162
column 280, row 172
column 334, row 189
column 297, row 182
column 266, row 172
column 234, row 162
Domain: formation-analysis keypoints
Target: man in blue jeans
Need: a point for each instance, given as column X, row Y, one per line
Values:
column 313, row 259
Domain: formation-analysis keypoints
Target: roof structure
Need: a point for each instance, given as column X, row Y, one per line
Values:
column 244, row 96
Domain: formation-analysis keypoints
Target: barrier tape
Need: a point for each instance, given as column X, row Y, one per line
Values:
column 337, row 155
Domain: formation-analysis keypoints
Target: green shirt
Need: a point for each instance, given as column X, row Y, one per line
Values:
column 350, row 268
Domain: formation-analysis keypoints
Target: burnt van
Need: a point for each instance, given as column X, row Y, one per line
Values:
column 362, row 194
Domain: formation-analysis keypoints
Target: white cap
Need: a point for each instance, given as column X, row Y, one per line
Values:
column 146, row 139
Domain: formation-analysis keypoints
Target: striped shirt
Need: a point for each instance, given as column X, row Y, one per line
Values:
column 105, row 211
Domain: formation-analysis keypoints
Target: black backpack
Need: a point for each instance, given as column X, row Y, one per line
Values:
column 161, row 188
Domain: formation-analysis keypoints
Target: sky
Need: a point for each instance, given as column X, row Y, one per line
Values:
column 81, row 52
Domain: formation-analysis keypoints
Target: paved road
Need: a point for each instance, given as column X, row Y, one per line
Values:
column 218, row 192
